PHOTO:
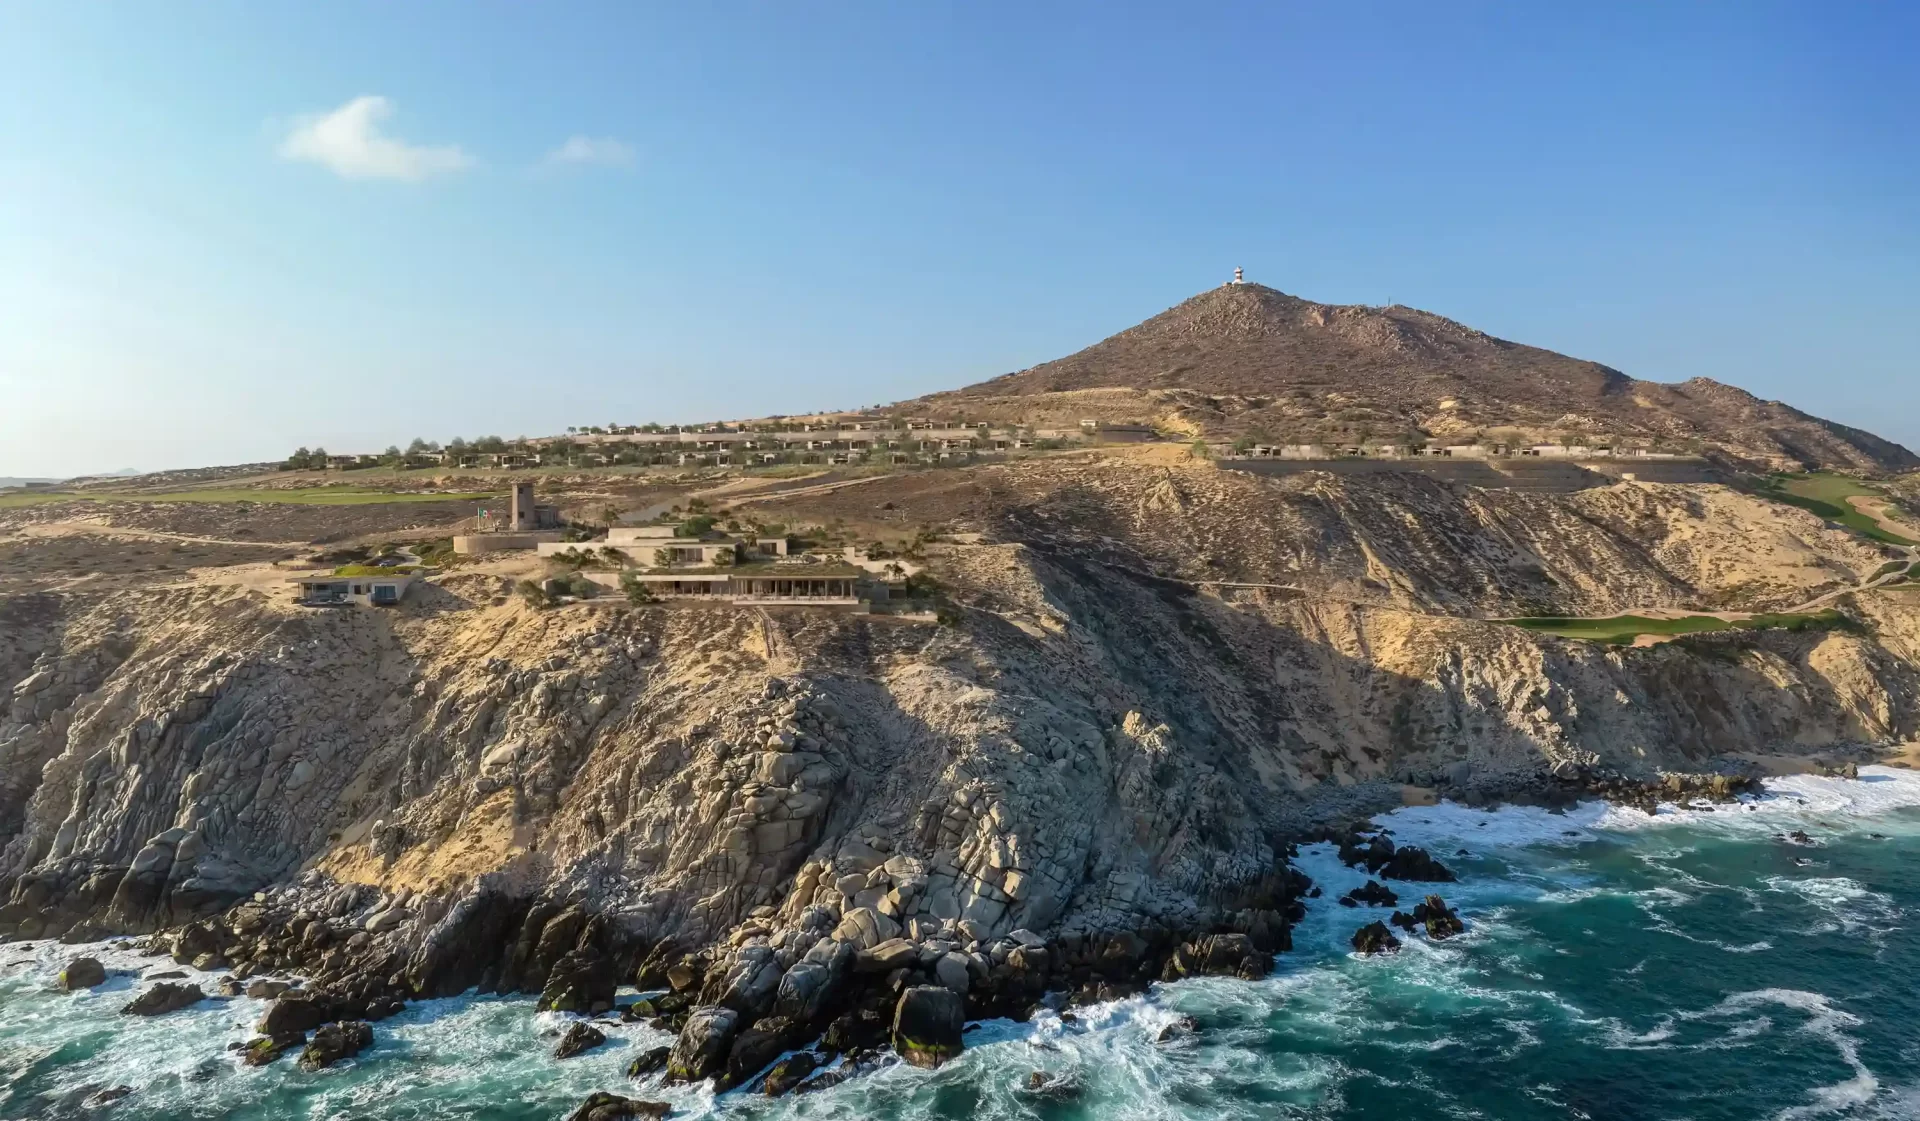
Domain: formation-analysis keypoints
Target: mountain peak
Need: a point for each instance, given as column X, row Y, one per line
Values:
column 1248, row 359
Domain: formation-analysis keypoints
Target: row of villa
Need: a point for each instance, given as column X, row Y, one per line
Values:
column 720, row 446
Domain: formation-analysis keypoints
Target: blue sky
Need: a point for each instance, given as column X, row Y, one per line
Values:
column 212, row 249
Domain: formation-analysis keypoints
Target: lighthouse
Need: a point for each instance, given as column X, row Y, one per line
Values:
column 1238, row 276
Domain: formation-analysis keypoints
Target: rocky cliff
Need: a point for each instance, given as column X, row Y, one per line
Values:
column 1111, row 747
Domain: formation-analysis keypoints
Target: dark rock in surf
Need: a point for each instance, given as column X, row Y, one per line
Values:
column 1373, row 894
column 83, row 973
column 647, row 1062
column 603, row 1106
column 789, row 1073
column 927, row 1025
column 703, row 1045
column 580, row 1037
column 336, row 1042
column 1375, row 938
column 163, row 998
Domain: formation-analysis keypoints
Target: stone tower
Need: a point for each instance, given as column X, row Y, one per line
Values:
column 520, row 514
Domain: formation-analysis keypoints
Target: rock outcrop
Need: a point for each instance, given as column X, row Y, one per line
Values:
column 927, row 1026
column 163, row 998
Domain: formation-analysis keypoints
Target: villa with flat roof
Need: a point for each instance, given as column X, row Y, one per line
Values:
column 822, row 584
column 327, row 589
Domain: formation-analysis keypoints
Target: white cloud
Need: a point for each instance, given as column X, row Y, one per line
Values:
column 591, row 151
column 349, row 143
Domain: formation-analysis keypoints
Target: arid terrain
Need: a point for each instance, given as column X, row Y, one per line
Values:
column 1132, row 681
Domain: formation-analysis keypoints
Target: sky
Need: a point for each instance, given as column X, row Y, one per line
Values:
column 228, row 229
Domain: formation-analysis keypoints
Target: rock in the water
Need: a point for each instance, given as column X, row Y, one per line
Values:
column 703, row 1045
column 927, row 1023
column 1218, row 955
column 334, row 1042
column 82, row 973
column 107, row 1096
column 162, row 998
column 260, row 1051
column 788, row 1073
column 265, row 989
column 1180, row 1028
column 1053, row 1087
column 646, row 1062
column 580, row 1037
column 1410, row 863
column 1373, row 894
column 1375, row 938
column 1442, row 922
column 603, row 1106
column 755, row 1048
column 581, row 981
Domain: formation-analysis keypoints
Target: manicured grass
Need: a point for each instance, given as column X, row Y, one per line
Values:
column 1826, row 495
column 309, row 496
column 1623, row 629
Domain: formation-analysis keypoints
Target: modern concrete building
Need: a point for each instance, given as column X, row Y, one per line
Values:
column 330, row 589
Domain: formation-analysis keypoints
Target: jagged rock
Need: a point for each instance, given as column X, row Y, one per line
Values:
column 336, row 1042
column 602, row 1106
column 754, row 1048
column 927, row 1025
column 579, row 1037
column 1441, row 921
column 163, row 998
column 266, row 989
column 1411, row 863
column 789, row 1073
column 83, row 973
column 703, row 1045
column 1372, row 894
column 647, row 1062
column 264, row 1049
column 300, row 1011
column 1374, row 938
column 858, row 1030
column 1181, row 1027
column 894, row 953
column 1054, row 1087
column 1218, row 955
column 581, row 981
column 107, row 1096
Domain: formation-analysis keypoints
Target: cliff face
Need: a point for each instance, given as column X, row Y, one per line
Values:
column 1094, row 748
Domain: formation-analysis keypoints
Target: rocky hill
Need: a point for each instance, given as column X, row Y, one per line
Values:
column 1147, row 682
column 1247, row 359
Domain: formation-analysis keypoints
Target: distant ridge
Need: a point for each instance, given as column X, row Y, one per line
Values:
column 1245, row 359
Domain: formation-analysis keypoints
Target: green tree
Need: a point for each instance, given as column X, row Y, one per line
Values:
column 636, row 590
column 534, row 595
column 417, row 446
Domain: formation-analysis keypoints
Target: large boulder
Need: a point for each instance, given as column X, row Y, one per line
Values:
column 1218, row 955
column 1372, row 894
column 703, row 1045
column 335, row 1042
column 82, row 973
column 1374, row 938
column 647, row 1062
column 927, row 1023
column 1410, row 863
column 1442, row 921
column 581, row 981
column 264, row 1049
column 580, row 1037
column 788, row 1073
column 807, row 988
column 163, row 998
column 754, row 1049
column 302, row 1011
column 602, row 1106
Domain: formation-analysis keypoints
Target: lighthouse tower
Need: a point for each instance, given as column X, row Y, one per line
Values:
column 1239, row 277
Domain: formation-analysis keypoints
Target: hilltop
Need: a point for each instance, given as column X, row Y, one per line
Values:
column 1245, row 359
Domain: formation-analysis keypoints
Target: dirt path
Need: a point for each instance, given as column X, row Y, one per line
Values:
column 101, row 529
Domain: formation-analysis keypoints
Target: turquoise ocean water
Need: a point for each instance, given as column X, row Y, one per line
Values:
column 1690, row 965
